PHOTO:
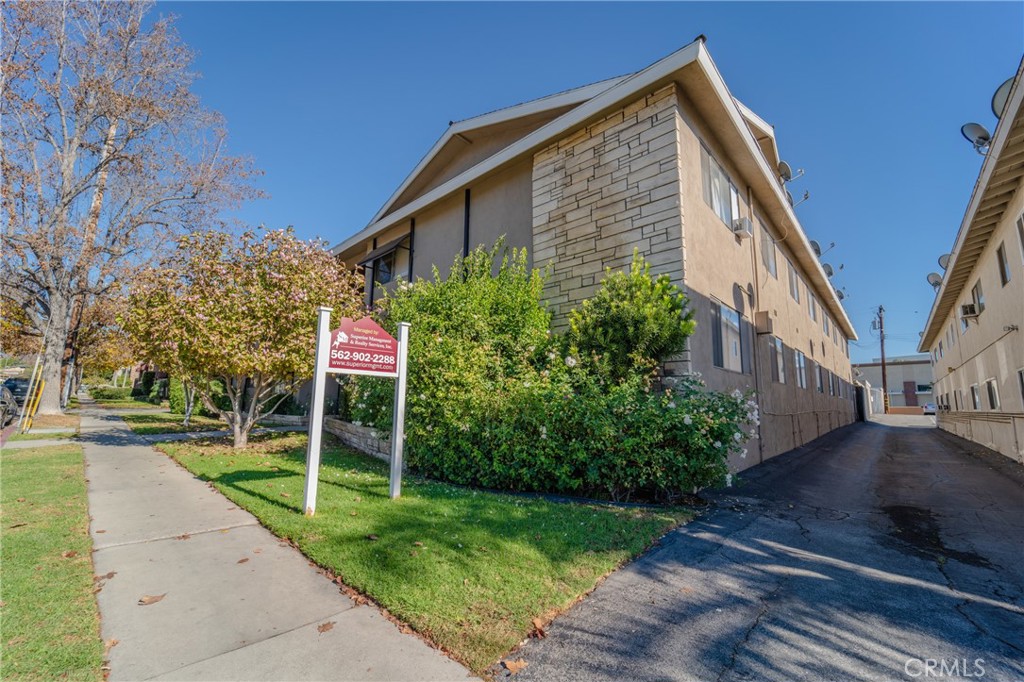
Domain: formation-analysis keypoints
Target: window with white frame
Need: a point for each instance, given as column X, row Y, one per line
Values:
column 1004, row 264
column 727, row 338
column 719, row 192
column 820, row 379
column 825, row 321
column 778, row 359
column 975, row 397
column 978, row 296
column 993, row 394
column 794, row 282
column 801, row 369
column 768, row 252
column 812, row 303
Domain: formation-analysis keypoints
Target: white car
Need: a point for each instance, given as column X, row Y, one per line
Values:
column 929, row 408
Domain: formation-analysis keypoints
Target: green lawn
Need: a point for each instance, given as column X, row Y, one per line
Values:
column 35, row 435
column 468, row 569
column 129, row 404
column 149, row 424
column 50, row 620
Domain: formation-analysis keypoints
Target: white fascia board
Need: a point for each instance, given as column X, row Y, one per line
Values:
column 718, row 83
column 1010, row 113
column 535, row 140
column 537, row 106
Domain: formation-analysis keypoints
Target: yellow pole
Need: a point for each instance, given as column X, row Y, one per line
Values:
column 34, row 406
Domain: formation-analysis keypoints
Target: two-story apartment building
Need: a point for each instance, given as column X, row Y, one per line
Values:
column 666, row 161
column 973, row 331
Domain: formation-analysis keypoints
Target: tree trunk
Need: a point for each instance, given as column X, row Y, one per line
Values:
column 241, row 435
column 190, row 400
column 54, row 337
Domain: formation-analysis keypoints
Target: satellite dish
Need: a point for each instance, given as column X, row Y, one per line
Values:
column 816, row 248
column 935, row 279
column 977, row 135
column 785, row 172
column 789, row 198
column 828, row 269
column 1001, row 95
column 944, row 261
column 840, row 295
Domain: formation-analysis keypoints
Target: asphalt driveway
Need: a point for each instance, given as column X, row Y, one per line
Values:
column 880, row 552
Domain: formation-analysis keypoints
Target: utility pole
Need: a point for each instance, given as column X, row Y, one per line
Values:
column 885, row 380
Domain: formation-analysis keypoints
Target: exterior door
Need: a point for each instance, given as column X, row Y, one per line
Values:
column 910, row 393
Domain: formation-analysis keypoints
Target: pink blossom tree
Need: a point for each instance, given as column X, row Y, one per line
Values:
column 242, row 310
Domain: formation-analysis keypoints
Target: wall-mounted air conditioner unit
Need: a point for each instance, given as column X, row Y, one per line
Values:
column 764, row 323
column 968, row 310
column 742, row 227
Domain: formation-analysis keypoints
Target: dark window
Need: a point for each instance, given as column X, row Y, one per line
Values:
column 993, row 394
column 383, row 268
column 1004, row 265
column 778, row 359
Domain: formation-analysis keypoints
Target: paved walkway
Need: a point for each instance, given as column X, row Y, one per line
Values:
column 237, row 604
column 861, row 557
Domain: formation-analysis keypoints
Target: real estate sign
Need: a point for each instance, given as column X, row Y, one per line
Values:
column 356, row 347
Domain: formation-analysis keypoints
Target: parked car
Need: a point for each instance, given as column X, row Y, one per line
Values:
column 929, row 408
column 8, row 406
column 19, row 387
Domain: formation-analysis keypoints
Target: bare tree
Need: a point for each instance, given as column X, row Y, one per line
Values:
column 105, row 154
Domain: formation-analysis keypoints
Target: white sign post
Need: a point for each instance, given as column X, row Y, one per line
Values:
column 356, row 347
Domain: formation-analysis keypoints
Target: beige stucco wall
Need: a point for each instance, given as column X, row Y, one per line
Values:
column 722, row 266
column 989, row 348
column 601, row 192
column 502, row 205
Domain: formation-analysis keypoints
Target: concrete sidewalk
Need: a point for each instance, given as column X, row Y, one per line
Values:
column 237, row 603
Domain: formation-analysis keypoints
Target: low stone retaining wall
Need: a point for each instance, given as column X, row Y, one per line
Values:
column 286, row 420
column 362, row 438
column 906, row 410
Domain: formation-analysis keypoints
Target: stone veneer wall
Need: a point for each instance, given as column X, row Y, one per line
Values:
column 605, row 190
column 361, row 438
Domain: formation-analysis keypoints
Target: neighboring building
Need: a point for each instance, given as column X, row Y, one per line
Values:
column 909, row 378
column 973, row 331
column 664, row 160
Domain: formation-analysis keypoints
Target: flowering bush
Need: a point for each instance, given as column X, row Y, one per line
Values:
column 494, row 401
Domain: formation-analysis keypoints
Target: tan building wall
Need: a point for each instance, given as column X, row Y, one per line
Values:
column 989, row 347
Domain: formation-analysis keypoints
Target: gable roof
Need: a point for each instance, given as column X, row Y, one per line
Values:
column 997, row 182
column 692, row 68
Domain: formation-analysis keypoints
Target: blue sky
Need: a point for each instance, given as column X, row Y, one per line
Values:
column 337, row 102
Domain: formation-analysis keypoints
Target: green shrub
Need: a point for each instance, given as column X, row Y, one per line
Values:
column 109, row 393
column 493, row 401
column 289, row 406
column 145, row 385
column 633, row 323
column 219, row 396
column 176, row 396
column 158, row 391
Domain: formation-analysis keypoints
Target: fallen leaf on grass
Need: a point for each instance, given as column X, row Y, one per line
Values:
column 417, row 544
column 372, row 537
column 286, row 494
column 105, row 576
column 352, row 514
column 538, row 629
column 514, row 666
column 183, row 536
column 151, row 599
column 242, row 561
column 17, row 525
column 70, row 554
column 324, row 627
column 21, row 499
column 414, row 553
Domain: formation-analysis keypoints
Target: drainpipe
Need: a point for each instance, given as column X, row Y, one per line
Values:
column 753, row 306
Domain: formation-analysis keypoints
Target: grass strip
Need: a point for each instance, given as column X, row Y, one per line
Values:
column 50, row 617
column 468, row 569
column 149, row 424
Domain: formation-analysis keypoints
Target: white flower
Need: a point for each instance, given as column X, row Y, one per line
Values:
column 743, row 453
column 737, row 394
column 543, row 432
column 358, row 423
column 422, row 396
column 687, row 420
column 717, row 444
column 570, row 361
column 671, row 405
column 737, row 436
column 728, row 480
